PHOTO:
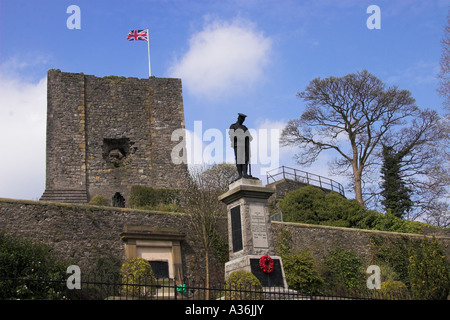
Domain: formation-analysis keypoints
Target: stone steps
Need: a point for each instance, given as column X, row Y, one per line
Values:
column 65, row 196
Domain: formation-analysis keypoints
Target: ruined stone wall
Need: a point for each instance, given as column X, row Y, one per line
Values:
column 66, row 134
column 106, row 134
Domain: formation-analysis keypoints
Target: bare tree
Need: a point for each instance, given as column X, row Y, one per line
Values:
column 350, row 115
column 438, row 212
column 423, row 163
column 203, row 207
column 219, row 175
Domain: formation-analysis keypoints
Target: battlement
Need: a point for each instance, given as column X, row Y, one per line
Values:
column 106, row 134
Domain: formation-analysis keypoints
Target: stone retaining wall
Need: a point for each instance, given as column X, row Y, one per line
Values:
column 321, row 239
column 85, row 233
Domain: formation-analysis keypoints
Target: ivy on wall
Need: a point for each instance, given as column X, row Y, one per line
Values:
column 418, row 263
column 412, row 267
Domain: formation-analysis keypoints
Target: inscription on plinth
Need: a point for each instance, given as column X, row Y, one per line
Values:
column 258, row 226
column 250, row 232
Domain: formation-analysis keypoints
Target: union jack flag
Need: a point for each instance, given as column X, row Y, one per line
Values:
column 137, row 35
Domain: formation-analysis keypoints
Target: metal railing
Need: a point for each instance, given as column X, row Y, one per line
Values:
column 284, row 172
column 94, row 287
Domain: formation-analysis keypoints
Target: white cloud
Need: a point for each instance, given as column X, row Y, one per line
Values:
column 22, row 128
column 24, row 61
column 223, row 58
column 421, row 73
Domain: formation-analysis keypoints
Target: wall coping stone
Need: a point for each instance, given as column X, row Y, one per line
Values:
column 310, row 226
column 87, row 206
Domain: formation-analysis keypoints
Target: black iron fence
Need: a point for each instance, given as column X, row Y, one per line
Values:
column 284, row 172
column 108, row 287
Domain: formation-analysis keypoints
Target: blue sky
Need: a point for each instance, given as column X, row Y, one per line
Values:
column 232, row 56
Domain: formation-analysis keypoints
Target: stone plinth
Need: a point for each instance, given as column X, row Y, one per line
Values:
column 250, row 232
column 250, row 263
column 249, row 229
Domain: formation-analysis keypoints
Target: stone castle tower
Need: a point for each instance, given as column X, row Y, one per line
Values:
column 105, row 135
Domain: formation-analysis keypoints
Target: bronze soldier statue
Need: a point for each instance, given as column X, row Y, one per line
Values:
column 240, row 141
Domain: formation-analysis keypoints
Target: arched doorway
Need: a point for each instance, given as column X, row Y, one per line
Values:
column 118, row 200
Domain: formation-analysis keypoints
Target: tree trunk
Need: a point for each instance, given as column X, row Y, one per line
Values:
column 207, row 274
column 206, row 245
column 358, row 187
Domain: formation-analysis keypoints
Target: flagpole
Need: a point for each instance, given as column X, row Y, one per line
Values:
column 148, row 47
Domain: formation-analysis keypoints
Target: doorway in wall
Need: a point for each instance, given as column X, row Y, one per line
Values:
column 118, row 200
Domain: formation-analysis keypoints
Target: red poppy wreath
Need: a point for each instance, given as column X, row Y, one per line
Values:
column 266, row 264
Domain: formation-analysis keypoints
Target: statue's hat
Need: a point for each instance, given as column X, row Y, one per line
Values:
column 242, row 115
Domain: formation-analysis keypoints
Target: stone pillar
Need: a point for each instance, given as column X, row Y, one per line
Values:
column 250, row 233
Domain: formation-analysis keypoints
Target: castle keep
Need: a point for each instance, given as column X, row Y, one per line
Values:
column 105, row 135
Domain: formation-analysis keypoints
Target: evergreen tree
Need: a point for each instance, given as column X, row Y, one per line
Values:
column 394, row 190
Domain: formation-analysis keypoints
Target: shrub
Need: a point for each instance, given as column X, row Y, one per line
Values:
column 393, row 254
column 303, row 205
column 150, row 198
column 137, row 278
column 388, row 273
column 167, row 207
column 301, row 271
column 99, row 201
column 311, row 205
column 388, row 222
column 429, row 272
column 22, row 258
column 343, row 269
column 243, row 285
column 342, row 212
column 105, row 269
column 393, row 290
column 107, row 264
